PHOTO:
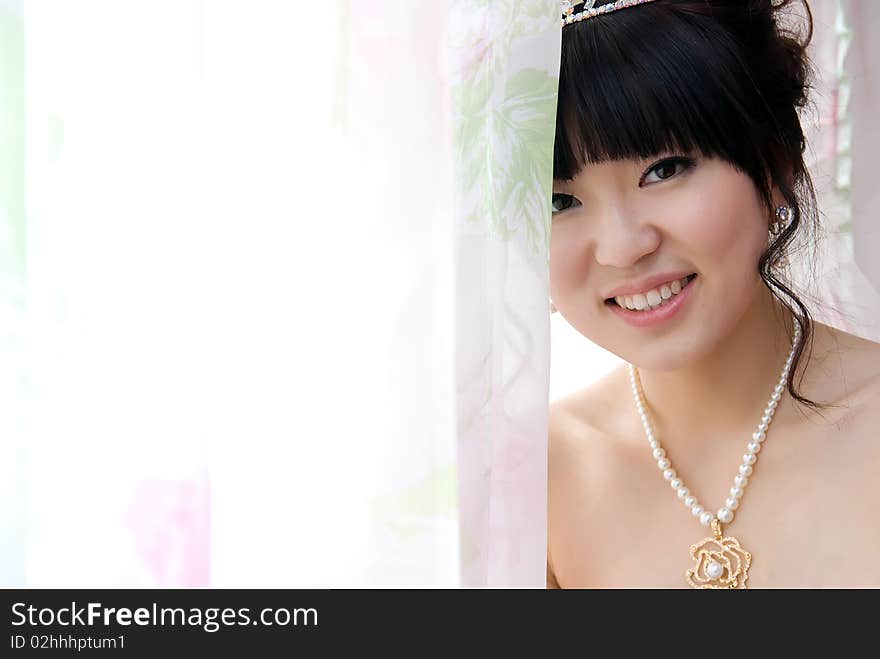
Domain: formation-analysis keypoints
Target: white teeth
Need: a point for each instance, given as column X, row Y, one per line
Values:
column 653, row 298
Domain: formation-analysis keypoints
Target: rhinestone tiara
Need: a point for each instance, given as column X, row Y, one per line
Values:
column 590, row 10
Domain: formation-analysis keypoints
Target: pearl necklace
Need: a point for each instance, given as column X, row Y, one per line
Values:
column 720, row 561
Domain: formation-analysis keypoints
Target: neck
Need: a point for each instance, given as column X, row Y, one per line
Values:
column 723, row 394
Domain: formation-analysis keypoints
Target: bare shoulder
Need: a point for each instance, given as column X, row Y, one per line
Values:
column 590, row 453
column 583, row 429
column 842, row 358
column 853, row 436
column 846, row 374
column 863, row 393
column 592, row 408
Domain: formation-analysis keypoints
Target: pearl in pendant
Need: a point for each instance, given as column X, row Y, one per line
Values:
column 675, row 483
column 690, row 501
column 745, row 470
column 706, row 518
column 659, row 453
column 663, row 463
column 741, row 481
column 697, row 511
column 732, row 503
column 736, row 492
column 754, row 447
column 683, row 492
column 714, row 569
column 725, row 515
column 749, row 459
column 760, row 435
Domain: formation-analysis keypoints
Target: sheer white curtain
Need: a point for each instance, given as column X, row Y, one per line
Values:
column 504, row 83
column 841, row 128
column 860, row 64
column 274, row 292
column 13, row 513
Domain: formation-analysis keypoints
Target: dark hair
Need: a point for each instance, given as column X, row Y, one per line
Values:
column 725, row 78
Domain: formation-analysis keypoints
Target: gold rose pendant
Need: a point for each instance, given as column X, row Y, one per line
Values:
column 719, row 562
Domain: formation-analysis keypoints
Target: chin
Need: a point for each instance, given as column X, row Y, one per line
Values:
column 669, row 358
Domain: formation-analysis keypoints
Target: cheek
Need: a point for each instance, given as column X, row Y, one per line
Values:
column 725, row 233
column 568, row 266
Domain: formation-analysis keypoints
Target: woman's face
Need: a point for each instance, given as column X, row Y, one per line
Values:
column 634, row 227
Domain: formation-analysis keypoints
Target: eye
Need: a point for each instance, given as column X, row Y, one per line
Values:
column 563, row 202
column 666, row 169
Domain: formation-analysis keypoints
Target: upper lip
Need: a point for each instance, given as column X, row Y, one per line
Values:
column 646, row 283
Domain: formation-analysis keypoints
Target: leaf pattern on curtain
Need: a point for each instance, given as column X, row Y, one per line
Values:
column 501, row 115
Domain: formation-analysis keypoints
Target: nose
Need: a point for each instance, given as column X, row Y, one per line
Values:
column 623, row 237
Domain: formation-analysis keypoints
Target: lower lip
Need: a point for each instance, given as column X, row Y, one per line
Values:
column 660, row 314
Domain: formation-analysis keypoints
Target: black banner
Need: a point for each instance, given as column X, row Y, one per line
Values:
column 260, row 623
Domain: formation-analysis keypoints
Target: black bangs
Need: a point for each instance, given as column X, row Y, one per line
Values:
column 650, row 80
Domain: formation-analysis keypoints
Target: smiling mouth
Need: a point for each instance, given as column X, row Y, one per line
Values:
column 613, row 302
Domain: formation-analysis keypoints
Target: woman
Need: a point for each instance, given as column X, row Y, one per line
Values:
column 680, row 195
